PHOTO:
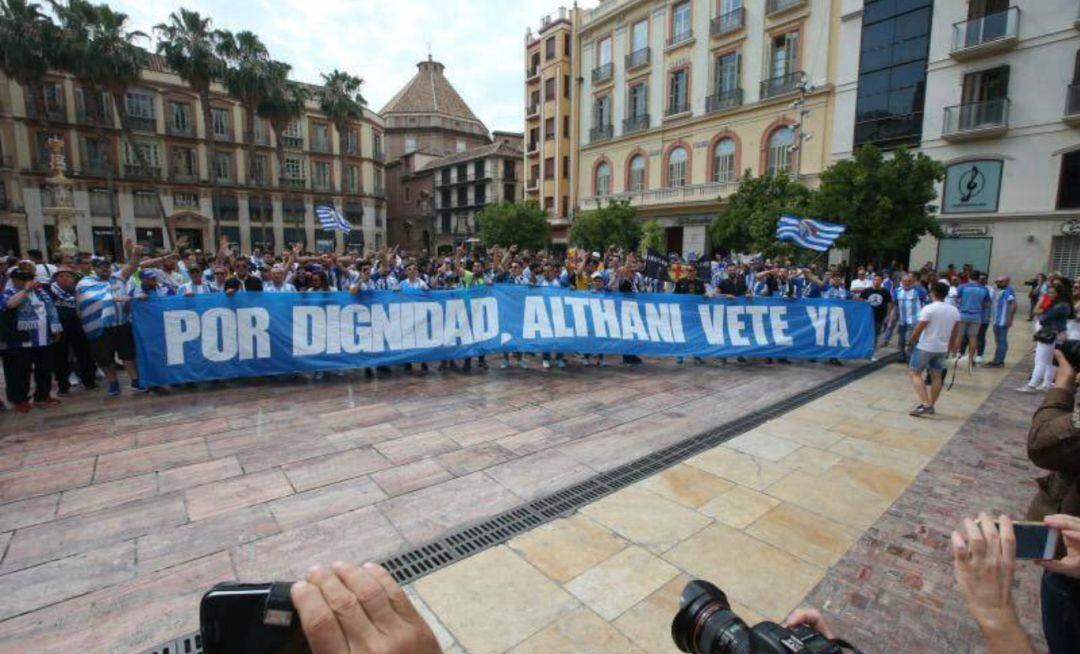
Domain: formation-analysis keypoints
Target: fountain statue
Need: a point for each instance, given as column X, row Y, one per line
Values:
column 63, row 207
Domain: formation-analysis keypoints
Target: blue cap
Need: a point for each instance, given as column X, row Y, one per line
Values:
column 147, row 273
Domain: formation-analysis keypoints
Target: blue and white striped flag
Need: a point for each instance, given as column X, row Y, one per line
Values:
column 331, row 219
column 808, row 233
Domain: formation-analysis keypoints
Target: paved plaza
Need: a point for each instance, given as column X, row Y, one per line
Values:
column 117, row 514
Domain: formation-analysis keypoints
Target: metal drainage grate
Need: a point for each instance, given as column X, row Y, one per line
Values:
column 463, row 543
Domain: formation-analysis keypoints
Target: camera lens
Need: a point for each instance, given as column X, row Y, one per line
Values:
column 705, row 623
column 1071, row 350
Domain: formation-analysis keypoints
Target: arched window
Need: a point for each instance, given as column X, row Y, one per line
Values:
column 778, row 157
column 636, row 177
column 603, row 179
column 723, row 160
column 676, row 167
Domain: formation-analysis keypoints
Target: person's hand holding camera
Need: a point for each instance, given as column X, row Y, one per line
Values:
column 811, row 618
column 1068, row 565
column 984, row 560
column 345, row 609
column 1065, row 377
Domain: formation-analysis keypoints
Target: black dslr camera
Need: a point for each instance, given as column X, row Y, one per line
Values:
column 237, row 618
column 1071, row 350
column 705, row 624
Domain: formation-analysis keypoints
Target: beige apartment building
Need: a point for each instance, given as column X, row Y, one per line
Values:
column 268, row 209
column 676, row 98
column 550, row 137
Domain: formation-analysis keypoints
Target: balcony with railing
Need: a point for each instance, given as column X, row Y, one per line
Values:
column 773, row 7
column 1072, row 104
column 320, row 145
column 293, row 182
column 636, row 123
column 638, row 58
column 675, row 108
column 135, row 171
column 680, row 38
column 723, row 100
column 378, row 192
column 292, row 142
column 55, row 113
column 603, row 73
column 532, row 111
column 534, row 148
column 142, row 123
column 532, row 185
column 781, row 84
column 986, row 34
column 379, row 155
column 532, row 73
column 601, row 133
column 975, row 120
column 732, row 21
column 680, row 195
column 184, row 176
column 172, row 129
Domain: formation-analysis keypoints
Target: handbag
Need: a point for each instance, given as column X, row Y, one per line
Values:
column 1045, row 335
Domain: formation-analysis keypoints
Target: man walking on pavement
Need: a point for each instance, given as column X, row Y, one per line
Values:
column 973, row 299
column 936, row 336
column 1004, row 312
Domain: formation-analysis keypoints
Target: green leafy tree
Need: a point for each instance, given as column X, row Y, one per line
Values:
column 283, row 104
column 342, row 103
column 614, row 224
column 748, row 223
column 882, row 201
column 27, row 37
column 519, row 223
column 190, row 47
column 652, row 236
column 247, row 78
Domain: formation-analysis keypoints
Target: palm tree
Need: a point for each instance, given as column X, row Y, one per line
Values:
column 190, row 48
column 247, row 78
column 342, row 103
column 27, row 37
column 284, row 103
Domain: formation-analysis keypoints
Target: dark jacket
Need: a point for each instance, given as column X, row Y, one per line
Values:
column 1054, row 444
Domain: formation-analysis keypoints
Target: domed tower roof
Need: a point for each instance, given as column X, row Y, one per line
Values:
column 430, row 100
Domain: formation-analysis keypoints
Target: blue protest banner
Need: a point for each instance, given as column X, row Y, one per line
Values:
column 217, row 336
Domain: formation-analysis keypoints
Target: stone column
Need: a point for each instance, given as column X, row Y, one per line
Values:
column 35, row 219
column 278, row 219
column 309, row 222
column 83, row 225
column 125, row 209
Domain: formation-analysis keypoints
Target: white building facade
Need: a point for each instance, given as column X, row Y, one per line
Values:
column 998, row 105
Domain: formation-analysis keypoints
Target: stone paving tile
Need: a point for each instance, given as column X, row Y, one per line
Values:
column 32, row 588
column 274, row 454
column 150, row 458
column 467, row 596
column 362, row 535
column 648, row 623
column 100, row 496
column 578, row 632
column 739, row 506
column 205, row 501
column 477, row 457
column 762, row 445
column 468, row 434
column 82, row 533
column 166, row 548
column 76, row 447
column 24, row 513
column 740, row 468
column 45, row 479
column 334, row 467
column 532, row 441
column 616, row 584
column 568, row 547
column 409, row 477
column 154, row 607
column 422, row 515
column 417, row 446
column 686, row 485
column 646, row 519
column 539, row 474
column 325, row 501
column 172, row 432
column 198, row 474
column 811, row 537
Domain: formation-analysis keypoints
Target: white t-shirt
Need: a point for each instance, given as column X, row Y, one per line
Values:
column 940, row 317
column 860, row 284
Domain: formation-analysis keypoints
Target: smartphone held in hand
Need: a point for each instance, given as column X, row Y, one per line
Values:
column 239, row 618
column 1035, row 540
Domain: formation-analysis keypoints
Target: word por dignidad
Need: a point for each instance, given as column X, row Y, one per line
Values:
column 217, row 336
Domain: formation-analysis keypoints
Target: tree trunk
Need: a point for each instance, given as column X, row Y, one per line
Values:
column 211, row 141
column 144, row 165
column 98, row 109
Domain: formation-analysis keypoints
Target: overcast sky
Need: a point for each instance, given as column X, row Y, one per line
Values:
column 480, row 41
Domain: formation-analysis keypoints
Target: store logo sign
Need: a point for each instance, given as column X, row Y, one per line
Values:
column 972, row 187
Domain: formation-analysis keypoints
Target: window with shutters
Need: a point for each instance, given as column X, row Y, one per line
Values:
column 783, row 55
column 602, row 111
column 676, row 167
column 220, row 118
column 549, row 89
column 723, row 160
column 602, row 183
column 638, row 104
column 778, row 155
column 1065, row 255
column 635, row 177
column 678, row 92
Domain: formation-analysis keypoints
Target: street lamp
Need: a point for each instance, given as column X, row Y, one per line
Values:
column 801, row 135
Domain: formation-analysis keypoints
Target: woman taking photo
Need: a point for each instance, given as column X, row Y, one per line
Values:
column 1052, row 322
column 1038, row 288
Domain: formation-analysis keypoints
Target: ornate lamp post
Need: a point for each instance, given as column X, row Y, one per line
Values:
column 63, row 208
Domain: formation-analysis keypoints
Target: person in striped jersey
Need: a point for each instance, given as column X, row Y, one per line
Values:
column 29, row 347
column 1004, row 312
column 104, row 299
column 197, row 285
column 908, row 300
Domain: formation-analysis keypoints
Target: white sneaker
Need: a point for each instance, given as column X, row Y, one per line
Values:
column 1027, row 388
column 978, row 359
column 546, row 364
column 1043, row 387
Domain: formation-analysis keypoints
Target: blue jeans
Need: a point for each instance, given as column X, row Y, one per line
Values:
column 905, row 335
column 1060, row 612
column 1001, row 343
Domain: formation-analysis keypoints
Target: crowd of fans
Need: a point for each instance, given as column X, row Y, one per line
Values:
column 70, row 319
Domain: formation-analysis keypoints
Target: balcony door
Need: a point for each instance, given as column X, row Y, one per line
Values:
column 987, row 21
column 984, row 98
